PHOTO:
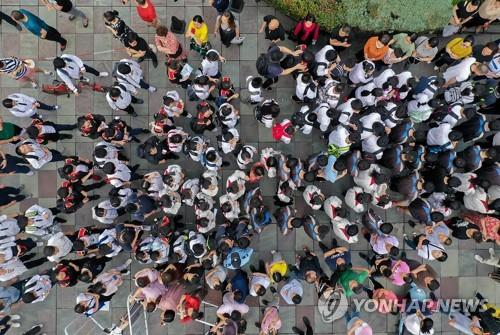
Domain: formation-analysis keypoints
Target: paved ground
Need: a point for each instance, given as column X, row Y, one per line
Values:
column 460, row 275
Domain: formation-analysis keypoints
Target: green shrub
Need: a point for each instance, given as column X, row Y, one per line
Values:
column 372, row 15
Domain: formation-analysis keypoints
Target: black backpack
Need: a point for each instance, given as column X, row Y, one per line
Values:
column 262, row 63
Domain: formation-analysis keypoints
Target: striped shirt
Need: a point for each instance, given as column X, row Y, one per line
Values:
column 13, row 65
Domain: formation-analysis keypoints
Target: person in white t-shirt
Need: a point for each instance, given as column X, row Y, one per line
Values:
column 210, row 64
column 463, row 70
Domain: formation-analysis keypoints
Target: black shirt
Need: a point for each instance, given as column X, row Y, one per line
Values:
column 476, row 52
column 459, row 228
column 65, row 4
column 273, row 35
column 141, row 45
column 334, row 35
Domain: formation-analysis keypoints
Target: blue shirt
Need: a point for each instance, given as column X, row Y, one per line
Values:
column 34, row 23
column 245, row 255
column 240, row 283
column 330, row 172
column 8, row 296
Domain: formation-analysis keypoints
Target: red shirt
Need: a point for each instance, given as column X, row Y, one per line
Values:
column 190, row 302
column 304, row 32
column 148, row 14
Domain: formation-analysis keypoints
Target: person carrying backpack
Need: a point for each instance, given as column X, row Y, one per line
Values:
column 268, row 64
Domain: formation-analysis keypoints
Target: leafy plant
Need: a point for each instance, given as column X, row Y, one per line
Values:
column 372, row 15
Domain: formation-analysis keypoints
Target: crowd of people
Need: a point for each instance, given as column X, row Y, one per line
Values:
column 427, row 146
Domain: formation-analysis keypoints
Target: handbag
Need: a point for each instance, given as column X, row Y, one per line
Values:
column 450, row 30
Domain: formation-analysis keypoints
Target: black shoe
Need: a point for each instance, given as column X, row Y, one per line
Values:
column 134, row 114
column 297, row 330
column 145, row 131
column 306, row 321
column 139, row 101
column 273, row 289
column 257, row 324
column 323, row 247
column 252, row 268
column 411, row 223
column 265, row 302
column 155, row 64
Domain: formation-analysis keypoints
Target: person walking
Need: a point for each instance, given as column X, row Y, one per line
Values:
column 66, row 6
column 38, row 27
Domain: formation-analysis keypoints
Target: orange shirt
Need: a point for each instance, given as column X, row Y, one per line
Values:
column 371, row 50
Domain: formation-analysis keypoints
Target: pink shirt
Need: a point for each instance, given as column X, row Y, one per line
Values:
column 271, row 320
column 152, row 291
column 398, row 271
column 170, row 299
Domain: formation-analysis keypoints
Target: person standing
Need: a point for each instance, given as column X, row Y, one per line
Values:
column 167, row 43
column 38, row 27
column 9, row 132
column 70, row 67
column 228, row 28
column 66, row 6
column 197, row 31
column 146, row 11
column 138, row 48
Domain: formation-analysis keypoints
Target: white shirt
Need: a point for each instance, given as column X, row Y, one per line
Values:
column 339, row 226
column 367, row 122
column 122, row 102
column 476, row 201
column 370, row 145
column 74, row 66
column 350, row 199
column 412, row 324
column 382, row 77
column 229, row 305
column 227, row 147
column 40, row 285
column 261, row 279
column 38, row 157
column 466, row 186
column 368, row 100
column 13, row 268
column 346, row 112
column 290, row 289
column 358, row 75
column 8, row 226
column 461, row 71
column 339, row 136
column 251, row 150
column 213, row 176
column 303, row 90
column 320, row 57
column 194, row 186
column 218, row 272
column 24, row 105
column 255, row 92
column 330, row 205
column 379, row 246
column 110, row 215
column 439, row 135
column 122, row 175
column 130, row 80
column 209, row 68
column 63, row 245
column 42, row 217
column 308, row 194
column 456, row 110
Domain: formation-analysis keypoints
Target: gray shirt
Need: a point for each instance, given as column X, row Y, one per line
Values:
column 422, row 50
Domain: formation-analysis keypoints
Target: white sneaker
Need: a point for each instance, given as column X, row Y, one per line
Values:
column 103, row 74
column 30, row 173
column 15, row 325
column 39, row 244
column 128, row 261
column 189, row 116
column 48, row 73
column 56, row 107
column 152, row 89
column 84, row 79
column 34, row 85
column 15, row 317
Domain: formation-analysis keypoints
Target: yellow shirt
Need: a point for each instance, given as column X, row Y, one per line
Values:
column 456, row 47
column 496, row 314
column 280, row 267
column 201, row 34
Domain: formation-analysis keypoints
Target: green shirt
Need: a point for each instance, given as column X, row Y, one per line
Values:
column 8, row 131
column 402, row 43
column 346, row 276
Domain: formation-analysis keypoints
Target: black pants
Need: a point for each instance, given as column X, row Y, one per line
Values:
column 443, row 58
column 269, row 82
column 54, row 35
column 376, row 286
column 149, row 55
column 8, row 19
column 35, row 263
column 130, row 109
column 8, row 194
column 91, row 70
column 143, row 84
column 15, row 164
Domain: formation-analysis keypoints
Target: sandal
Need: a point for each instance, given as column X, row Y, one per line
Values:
column 85, row 23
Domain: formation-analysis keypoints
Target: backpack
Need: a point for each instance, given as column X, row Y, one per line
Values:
column 262, row 63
